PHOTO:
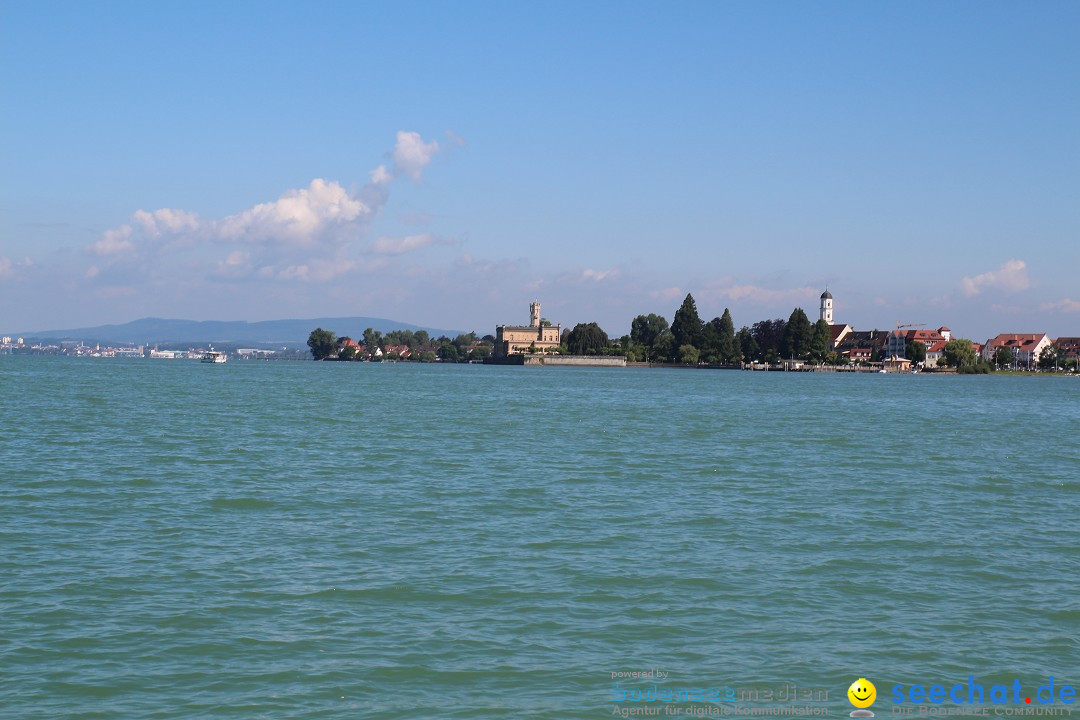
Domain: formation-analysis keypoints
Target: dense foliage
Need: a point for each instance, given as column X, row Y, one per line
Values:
column 322, row 343
column 586, row 339
column 399, row 345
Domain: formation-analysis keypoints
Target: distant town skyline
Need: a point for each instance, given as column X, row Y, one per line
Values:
column 443, row 165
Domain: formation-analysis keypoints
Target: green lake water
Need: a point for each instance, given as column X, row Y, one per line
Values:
column 331, row 540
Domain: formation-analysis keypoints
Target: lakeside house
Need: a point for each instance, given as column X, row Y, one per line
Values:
column 1026, row 347
column 1069, row 347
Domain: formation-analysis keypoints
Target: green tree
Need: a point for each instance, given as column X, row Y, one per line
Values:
column 723, row 338
column 322, row 343
column 710, row 341
column 686, row 325
column 447, row 352
column 688, row 354
column 372, row 339
column 769, row 336
column 347, row 353
column 748, row 347
column 587, row 339
column 1049, row 358
column 665, row 348
column 960, row 354
column 1003, row 357
column 915, row 351
column 797, row 335
column 646, row 330
column 820, row 342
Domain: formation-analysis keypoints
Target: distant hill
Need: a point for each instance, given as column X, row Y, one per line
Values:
column 267, row 332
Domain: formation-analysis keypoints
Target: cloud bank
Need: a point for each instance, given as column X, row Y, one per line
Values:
column 1011, row 277
column 321, row 218
column 1065, row 305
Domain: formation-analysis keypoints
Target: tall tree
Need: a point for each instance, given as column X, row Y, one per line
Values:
column 645, row 330
column 769, row 336
column 729, row 351
column 915, row 351
column 1050, row 357
column 372, row 339
column 820, row 344
column 710, row 341
column 1003, row 357
column 322, row 343
column 797, row 335
column 960, row 353
column 748, row 347
column 686, row 325
column 587, row 339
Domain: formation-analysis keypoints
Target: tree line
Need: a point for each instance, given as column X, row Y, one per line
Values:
column 325, row 345
column 690, row 340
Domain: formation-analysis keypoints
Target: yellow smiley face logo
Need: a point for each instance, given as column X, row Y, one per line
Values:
column 862, row 693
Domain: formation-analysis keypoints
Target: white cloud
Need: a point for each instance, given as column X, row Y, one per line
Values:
column 756, row 294
column 236, row 264
column 6, row 269
column 1065, row 305
column 298, row 217
column 1011, row 277
column 599, row 275
column 323, row 213
column 321, row 270
column 671, row 293
column 400, row 245
column 114, row 242
column 412, row 154
column 380, row 176
column 165, row 221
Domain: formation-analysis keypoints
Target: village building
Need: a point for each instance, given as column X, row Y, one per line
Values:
column 898, row 340
column 531, row 338
column 934, row 353
column 1026, row 347
column 896, row 365
column 1069, row 347
column 862, row 345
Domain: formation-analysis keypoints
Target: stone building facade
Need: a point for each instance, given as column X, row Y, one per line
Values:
column 534, row 337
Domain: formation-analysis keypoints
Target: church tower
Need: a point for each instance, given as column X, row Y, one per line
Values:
column 826, row 306
column 534, row 314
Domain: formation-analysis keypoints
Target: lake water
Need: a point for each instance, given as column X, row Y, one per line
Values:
column 302, row 540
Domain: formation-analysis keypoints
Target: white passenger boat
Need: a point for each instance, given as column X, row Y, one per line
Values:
column 215, row 357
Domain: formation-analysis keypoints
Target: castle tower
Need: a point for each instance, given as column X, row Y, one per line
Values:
column 534, row 314
column 826, row 306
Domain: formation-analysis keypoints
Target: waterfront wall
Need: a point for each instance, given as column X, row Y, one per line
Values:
column 566, row 360
column 577, row 360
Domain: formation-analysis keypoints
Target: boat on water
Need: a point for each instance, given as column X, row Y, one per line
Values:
column 215, row 357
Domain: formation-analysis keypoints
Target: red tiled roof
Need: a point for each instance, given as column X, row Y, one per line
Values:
column 1015, row 339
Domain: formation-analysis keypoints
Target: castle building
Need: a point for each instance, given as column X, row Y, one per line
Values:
column 534, row 337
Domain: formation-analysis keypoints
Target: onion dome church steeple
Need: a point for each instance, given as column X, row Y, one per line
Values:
column 826, row 306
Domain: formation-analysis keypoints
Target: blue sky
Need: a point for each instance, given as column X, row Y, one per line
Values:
column 445, row 163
